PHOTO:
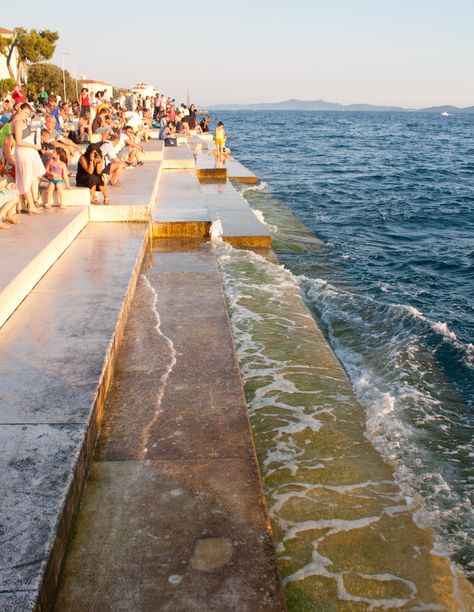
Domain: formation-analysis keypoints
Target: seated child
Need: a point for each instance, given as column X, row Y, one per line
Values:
column 57, row 177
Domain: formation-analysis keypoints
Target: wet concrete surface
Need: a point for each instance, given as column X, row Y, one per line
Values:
column 174, row 516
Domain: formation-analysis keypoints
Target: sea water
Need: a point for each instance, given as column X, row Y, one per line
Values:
column 372, row 216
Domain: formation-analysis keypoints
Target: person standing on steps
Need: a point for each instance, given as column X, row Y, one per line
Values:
column 220, row 138
column 28, row 165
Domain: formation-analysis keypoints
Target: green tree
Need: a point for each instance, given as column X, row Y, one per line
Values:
column 51, row 77
column 32, row 45
column 6, row 85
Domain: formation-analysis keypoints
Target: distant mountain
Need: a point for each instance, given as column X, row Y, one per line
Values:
column 319, row 105
column 448, row 109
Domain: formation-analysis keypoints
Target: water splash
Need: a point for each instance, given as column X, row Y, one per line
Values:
column 329, row 493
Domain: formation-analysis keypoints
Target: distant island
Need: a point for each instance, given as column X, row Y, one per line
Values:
column 318, row 105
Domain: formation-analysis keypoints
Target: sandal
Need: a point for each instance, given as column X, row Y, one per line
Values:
column 12, row 220
column 94, row 201
column 106, row 200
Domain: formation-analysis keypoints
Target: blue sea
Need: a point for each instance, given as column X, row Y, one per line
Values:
column 388, row 276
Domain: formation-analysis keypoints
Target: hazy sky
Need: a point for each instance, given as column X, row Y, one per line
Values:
column 411, row 53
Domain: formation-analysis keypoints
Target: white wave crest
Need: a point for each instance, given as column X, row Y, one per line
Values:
column 273, row 229
column 259, row 187
column 216, row 231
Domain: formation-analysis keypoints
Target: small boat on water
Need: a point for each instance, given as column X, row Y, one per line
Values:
column 445, row 114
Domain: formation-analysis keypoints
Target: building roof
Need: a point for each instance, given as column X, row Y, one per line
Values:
column 5, row 31
column 95, row 82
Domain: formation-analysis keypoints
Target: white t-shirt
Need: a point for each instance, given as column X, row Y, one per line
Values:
column 133, row 119
column 108, row 151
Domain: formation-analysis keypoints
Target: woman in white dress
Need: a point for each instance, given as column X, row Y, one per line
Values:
column 28, row 165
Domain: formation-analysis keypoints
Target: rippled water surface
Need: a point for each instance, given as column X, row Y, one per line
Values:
column 387, row 269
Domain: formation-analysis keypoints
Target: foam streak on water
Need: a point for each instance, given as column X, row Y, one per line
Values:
column 166, row 374
column 345, row 529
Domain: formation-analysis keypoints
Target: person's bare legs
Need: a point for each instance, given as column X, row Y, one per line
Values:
column 60, row 189
column 31, row 208
column 10, row 210
column 94, row 199
column 116, row 169
column 35, row 190
column 3, row 212
column 103, row 191
column 49, row 195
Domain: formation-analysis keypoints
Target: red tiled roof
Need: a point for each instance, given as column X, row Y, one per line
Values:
column 5, row 31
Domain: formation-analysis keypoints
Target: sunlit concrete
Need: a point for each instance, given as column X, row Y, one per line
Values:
column 31, row 248
column 208, row 166
column 133, row 199
column 57, row 353
column 180, row 208
column 240, row 227
column 179, row 157
column 76, row 196
column 174, row 516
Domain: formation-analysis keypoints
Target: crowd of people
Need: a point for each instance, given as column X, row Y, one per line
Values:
column 43, row 137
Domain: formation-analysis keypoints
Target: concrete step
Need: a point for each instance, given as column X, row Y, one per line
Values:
column 31, row 248
column 154, row 148
column 174, row 516
column 208, row 167
column 76, row 196
column 200, row 142
column 240, row 227
column 57, row 353
column 178, row 158
column 134, row 199
column 180, row 207
column 239, row 173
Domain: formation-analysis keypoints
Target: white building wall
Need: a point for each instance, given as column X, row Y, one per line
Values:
column 95, row 87
column 4, row 74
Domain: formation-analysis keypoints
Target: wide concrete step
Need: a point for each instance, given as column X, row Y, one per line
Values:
column 76, row 196
column 180, row 207
column 174, row 516
column 31, row 248
column 56, row 361
column 209, row 167
column 178, row 158
column 240, row 227
column 133, row 199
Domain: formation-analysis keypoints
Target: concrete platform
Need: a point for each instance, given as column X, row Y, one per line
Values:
column 57, row 353
column 174, row 516
column 77, row 196
column 199, row 142
column 154, row 148
column 239, row 173
column 208, row 167
column 134, row 200
column 31, row 248
column 240, row 227
column 180, row 208
column 179, row 157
